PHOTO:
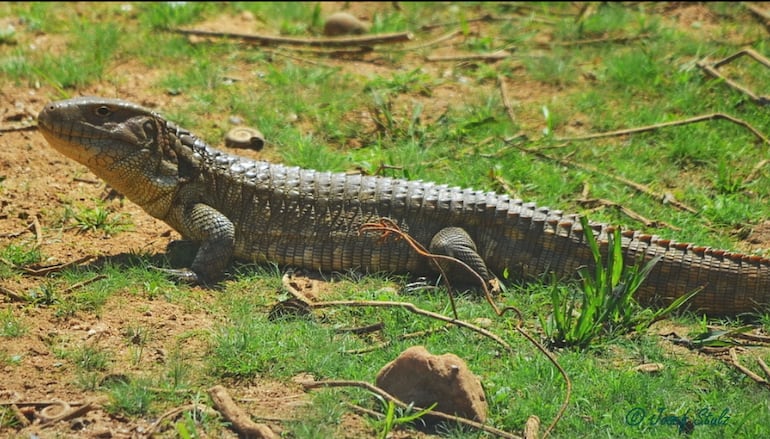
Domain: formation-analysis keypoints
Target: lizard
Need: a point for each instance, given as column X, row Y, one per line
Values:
column 253, row 210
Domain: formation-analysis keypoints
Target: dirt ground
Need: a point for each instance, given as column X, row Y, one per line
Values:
column 35, row 183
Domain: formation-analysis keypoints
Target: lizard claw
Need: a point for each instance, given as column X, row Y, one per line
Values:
column 182, row 275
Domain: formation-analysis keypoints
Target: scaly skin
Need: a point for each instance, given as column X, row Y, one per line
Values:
column 257, row 211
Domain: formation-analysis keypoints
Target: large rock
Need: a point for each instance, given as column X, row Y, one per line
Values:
column 419, row 377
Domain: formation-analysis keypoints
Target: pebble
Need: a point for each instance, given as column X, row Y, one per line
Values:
column 342, row 23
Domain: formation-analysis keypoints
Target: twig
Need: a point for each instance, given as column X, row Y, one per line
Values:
column 506, row 99
column 374, row 327
column 376, row 390
column 755, row 171
column 746, row 371
column 621, row 39
column 752, row 337
column 14, row 296
column 241, row 421
column 531, row 427
column 69, row 413
column 400, row 337
column 664, row 198
column 496, row 56
column 298, row 58
column 626, row 211
column 446, row 37
column 364, row 40
column 701, row 118
column 764, row 16
column 38, row 231
column 387, row 227
column 15, row 129
column 52, row 268
column 414, row 309
column 483, row 18
column 30, row 227
column 711, row 69
column 74, row 287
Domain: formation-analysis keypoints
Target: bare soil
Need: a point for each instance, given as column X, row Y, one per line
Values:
column 36, row 184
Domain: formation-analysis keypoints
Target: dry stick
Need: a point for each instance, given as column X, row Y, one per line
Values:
column 531, row 427
column 752, row 337
column 14, row 296
column 387, row 343
column 626, row 211
column 664, row 198
column 764, row 367
column 755, row 171
column 365, row 40
column 38, row 231
column 241, row 421
column 69, row 414
column 414, row 309
column 764, row 16
column 656, row 126
column 300, row 59
column 506, row 99
column 387, row 226
column 496, row 56
column 746, row 371
column 398, row 402
column 52, row 268
column 446, row 37
column 711, row 69
column 14, row 129
column 623, row 39
column 483, row 18
column 360, row 330
column 83, row 283
column 390, row 227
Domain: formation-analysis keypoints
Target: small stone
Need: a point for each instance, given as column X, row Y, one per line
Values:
column 342, row 23
column 419, row 377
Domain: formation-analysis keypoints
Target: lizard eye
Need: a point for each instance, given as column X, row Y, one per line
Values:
column 103, row 111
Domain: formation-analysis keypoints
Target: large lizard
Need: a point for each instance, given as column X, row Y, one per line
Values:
column 258, row 211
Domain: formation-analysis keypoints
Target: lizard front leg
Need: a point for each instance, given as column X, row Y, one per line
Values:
column 203, row 224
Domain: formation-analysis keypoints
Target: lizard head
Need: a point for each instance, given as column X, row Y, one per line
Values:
column 123, row 143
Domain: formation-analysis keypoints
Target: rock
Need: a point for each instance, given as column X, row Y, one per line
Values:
column 245, row 137
column 419, row 377
column 342, row 23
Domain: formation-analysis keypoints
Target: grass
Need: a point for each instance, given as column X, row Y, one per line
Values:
column 434, row 121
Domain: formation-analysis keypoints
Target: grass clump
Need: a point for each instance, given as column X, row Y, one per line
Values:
column 11, row 326
column 605, row 303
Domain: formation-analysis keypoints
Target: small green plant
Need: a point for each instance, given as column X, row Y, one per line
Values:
column 21, row 254
column 605, row 303
column 131, row 398
column 137, row 337
column 90, row 359
column 98, row 219
column 10, row 325
column 9, row 359
column 392, row 419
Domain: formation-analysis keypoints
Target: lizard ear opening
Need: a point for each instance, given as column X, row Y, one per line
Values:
column 150, row 130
